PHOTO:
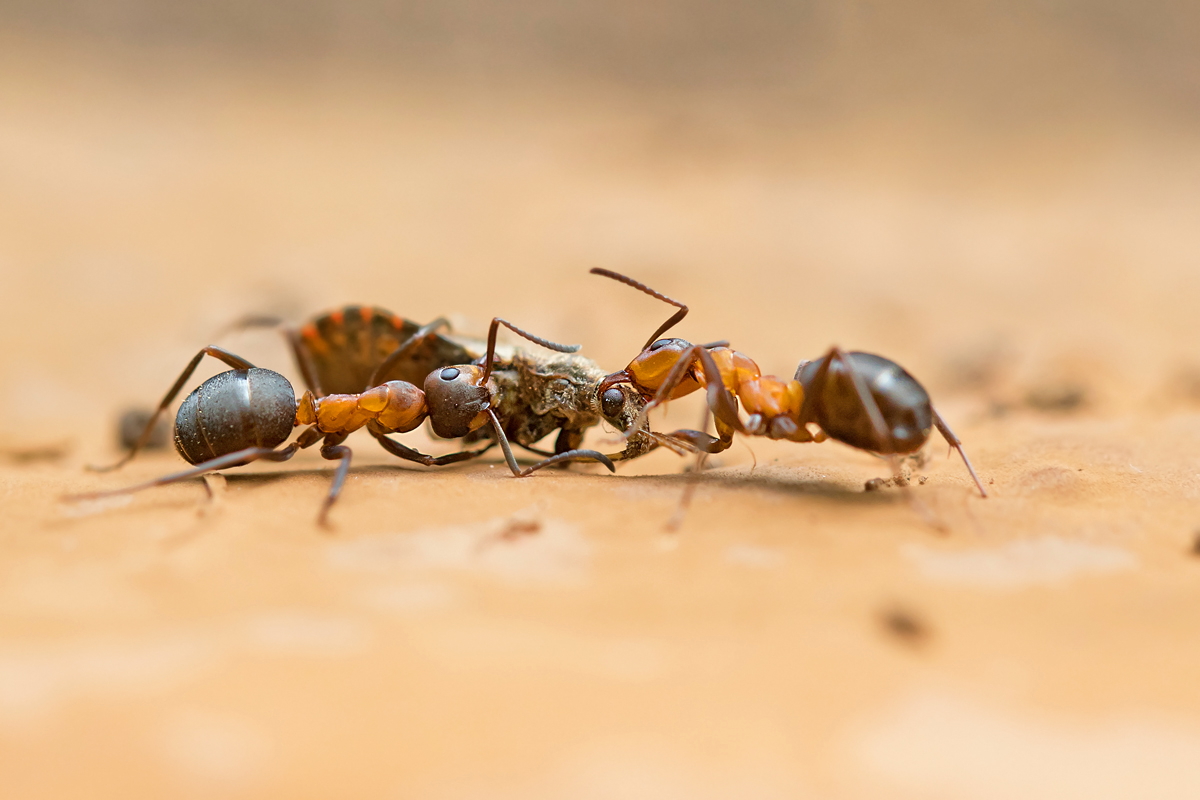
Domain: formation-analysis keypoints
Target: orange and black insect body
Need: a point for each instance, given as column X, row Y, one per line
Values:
column 863, row 400
column 357, row 347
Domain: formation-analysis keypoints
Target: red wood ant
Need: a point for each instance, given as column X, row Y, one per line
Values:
column 244, row 414
column 860, row 399
column 345, row 351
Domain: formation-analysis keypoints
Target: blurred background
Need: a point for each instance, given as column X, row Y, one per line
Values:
column 1003, row 197
column 945, row 182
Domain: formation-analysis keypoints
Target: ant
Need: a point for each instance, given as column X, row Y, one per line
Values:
column 244, row 414
column 864, row 400
column 345, row 351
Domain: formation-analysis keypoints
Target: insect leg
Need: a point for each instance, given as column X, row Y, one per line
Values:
column 409, row 454
column 860, row 388
column 334, row 450
column 236, row 459
column 956, row 443
column 219, row 353
column 570, row 455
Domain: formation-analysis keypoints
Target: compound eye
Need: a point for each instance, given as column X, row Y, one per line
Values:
column 611, row 402
column 449, row 373
column 661, row 343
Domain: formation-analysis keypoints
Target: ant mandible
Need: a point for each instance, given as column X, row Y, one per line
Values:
column 864, row 400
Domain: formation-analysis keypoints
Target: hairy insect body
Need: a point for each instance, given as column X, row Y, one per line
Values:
column 537, row 395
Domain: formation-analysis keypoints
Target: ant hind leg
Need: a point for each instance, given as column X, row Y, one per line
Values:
column 237, row 459
column 219, row 353
column 956, row 443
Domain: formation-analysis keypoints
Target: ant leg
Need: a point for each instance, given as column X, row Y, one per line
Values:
column 685, row 500
column 860, row 388
column 306, row 439
column 409, row 454
column 570, row 455
column 334, row 450
column 956, row 443
column 219, row 353
column 397, row 355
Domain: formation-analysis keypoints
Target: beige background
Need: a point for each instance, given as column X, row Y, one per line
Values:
column 1003, row 199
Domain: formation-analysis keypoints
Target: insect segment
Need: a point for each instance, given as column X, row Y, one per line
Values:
column 860, row 399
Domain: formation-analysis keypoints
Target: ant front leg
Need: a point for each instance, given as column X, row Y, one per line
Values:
column 219, row 353
column 237, row 459
column 570, row 455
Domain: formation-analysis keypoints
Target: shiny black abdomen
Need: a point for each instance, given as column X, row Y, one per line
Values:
column 839, row 411
column 232, row 411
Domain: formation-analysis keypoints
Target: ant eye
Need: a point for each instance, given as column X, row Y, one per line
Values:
column 661, row 343
column 611, row 402
column 449, row 373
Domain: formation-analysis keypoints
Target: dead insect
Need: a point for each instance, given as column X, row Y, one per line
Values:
column 859, row 399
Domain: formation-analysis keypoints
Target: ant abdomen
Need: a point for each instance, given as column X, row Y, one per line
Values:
column 235, row 410
column 839, row 411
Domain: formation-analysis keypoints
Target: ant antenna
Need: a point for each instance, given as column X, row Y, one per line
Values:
column 641, row 287
column 491, row 344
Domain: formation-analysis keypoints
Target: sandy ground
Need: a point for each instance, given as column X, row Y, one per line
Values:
column 463, row 634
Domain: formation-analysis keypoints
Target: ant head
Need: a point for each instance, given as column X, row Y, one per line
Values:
column 620, row 404
column 458, row 399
